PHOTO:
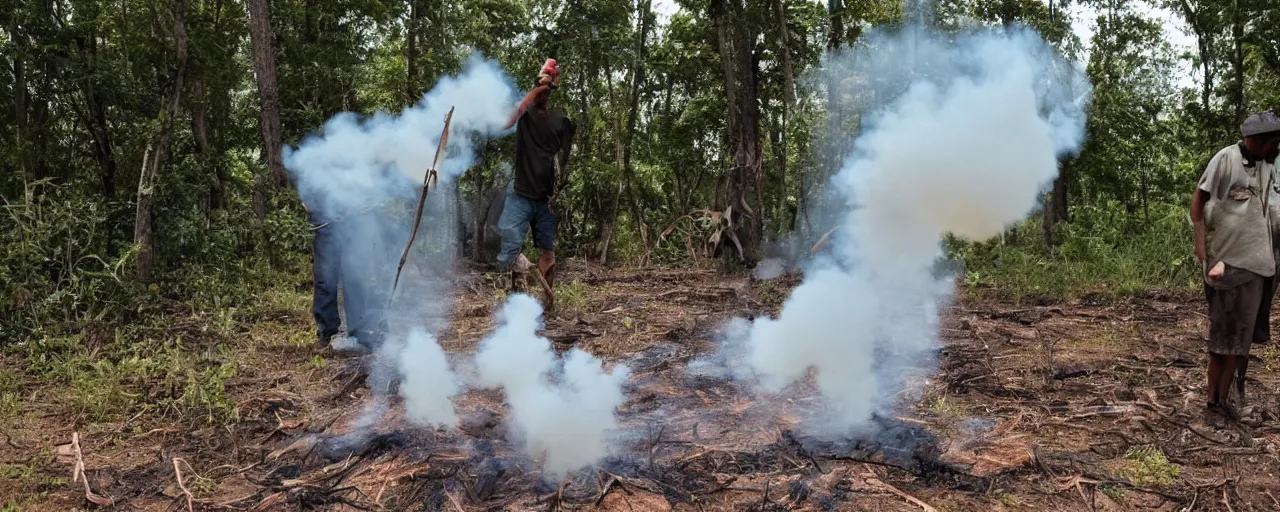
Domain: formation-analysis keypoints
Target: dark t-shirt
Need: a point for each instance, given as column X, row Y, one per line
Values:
column 538, row 140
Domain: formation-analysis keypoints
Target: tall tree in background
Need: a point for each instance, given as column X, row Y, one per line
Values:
column 158, row 148
column 264, row 69
column 736, row 34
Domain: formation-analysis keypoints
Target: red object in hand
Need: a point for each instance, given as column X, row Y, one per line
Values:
column 549, row 68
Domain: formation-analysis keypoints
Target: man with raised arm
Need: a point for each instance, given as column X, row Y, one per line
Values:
column 543, row 139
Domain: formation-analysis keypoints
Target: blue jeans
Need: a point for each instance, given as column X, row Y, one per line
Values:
column 518, row 215
column 329, row 269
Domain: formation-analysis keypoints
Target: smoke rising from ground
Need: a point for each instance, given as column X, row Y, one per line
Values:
column 567, row 419
column 428, row 384
column 967, row 137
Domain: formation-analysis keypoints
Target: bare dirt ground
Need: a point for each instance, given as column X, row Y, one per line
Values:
column 1079, row 406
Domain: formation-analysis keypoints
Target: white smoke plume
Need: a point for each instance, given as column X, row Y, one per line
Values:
column 968, row 137
column 360, row 178
column 564, row 413
column 429, row 384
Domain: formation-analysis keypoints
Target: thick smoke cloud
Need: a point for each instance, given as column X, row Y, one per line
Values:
column 429, row 384
column 561, row 409
column 961, row 135
column 360, row 178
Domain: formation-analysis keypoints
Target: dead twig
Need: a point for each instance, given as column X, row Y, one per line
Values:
column 454, row 501
column 182, row 485
column 604, row 491
column 77, row 474
column 875, row 480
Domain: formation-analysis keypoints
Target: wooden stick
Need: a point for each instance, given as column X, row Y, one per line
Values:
column 77, row 473
column 429, row 179
column 178, row 472
column 822, row 242
column 875, row 480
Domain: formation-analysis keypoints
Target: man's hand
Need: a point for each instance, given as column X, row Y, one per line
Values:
column 1217, row 270
column 552, row 81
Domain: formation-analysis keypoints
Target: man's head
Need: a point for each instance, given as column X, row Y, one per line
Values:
column 1261, row 133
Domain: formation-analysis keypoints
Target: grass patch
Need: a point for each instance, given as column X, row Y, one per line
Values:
column 571, row 297
column 1147, row 465
column 124, row 378
column 10, row 395
column 1102, row 255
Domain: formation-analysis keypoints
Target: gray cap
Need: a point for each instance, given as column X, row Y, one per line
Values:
column 1260, row 123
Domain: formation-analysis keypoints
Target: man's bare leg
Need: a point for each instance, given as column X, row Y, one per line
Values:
column 547, row 265
column 1242, row 366
column 1215, row 377
column 1226, row 379
column 546, row 269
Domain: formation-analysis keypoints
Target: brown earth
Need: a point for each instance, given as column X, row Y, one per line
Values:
column 1079, row 406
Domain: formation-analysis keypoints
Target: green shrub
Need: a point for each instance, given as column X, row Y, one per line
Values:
column 1103, row 252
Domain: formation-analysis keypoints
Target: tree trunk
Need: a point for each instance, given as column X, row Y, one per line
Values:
column 789, row 98
column 633, row 111
column 1237, row 64
column 835, row 10
column 264, row 68
column 155, row 158
column 1204, row 44
column 1055, row 211
column 21, row 109
column 788, row 73
column 735, row 36
column 199, row 108
column 411, row 52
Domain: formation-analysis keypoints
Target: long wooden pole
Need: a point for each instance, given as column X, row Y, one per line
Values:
column 427, row 181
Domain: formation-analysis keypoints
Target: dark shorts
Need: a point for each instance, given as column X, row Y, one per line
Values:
column 518, row 215
column 1239, row 311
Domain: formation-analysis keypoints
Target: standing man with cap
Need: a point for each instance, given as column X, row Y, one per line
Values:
column 542, row 134
column 1236, row 215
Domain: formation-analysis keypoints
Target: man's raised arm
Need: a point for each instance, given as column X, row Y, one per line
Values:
column 524, row 105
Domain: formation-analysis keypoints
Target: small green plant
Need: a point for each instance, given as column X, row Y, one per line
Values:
column 204, row 399
column 1147, row 465
column 571, row 297
column 10, row 395
column 316, row 363
column 770, row 294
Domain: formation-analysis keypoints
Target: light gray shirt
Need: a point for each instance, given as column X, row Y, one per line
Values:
column 1240, row 220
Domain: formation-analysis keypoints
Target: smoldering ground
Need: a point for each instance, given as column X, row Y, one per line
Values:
column 362, row 176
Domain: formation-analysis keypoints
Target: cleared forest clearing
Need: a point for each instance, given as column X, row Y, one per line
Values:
column 1077, row 406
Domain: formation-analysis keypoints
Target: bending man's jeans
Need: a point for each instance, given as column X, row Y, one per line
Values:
column 330, row 268
column 518, row 215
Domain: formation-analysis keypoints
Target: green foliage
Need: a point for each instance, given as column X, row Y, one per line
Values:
column 1103, row 254
column 53, row 268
